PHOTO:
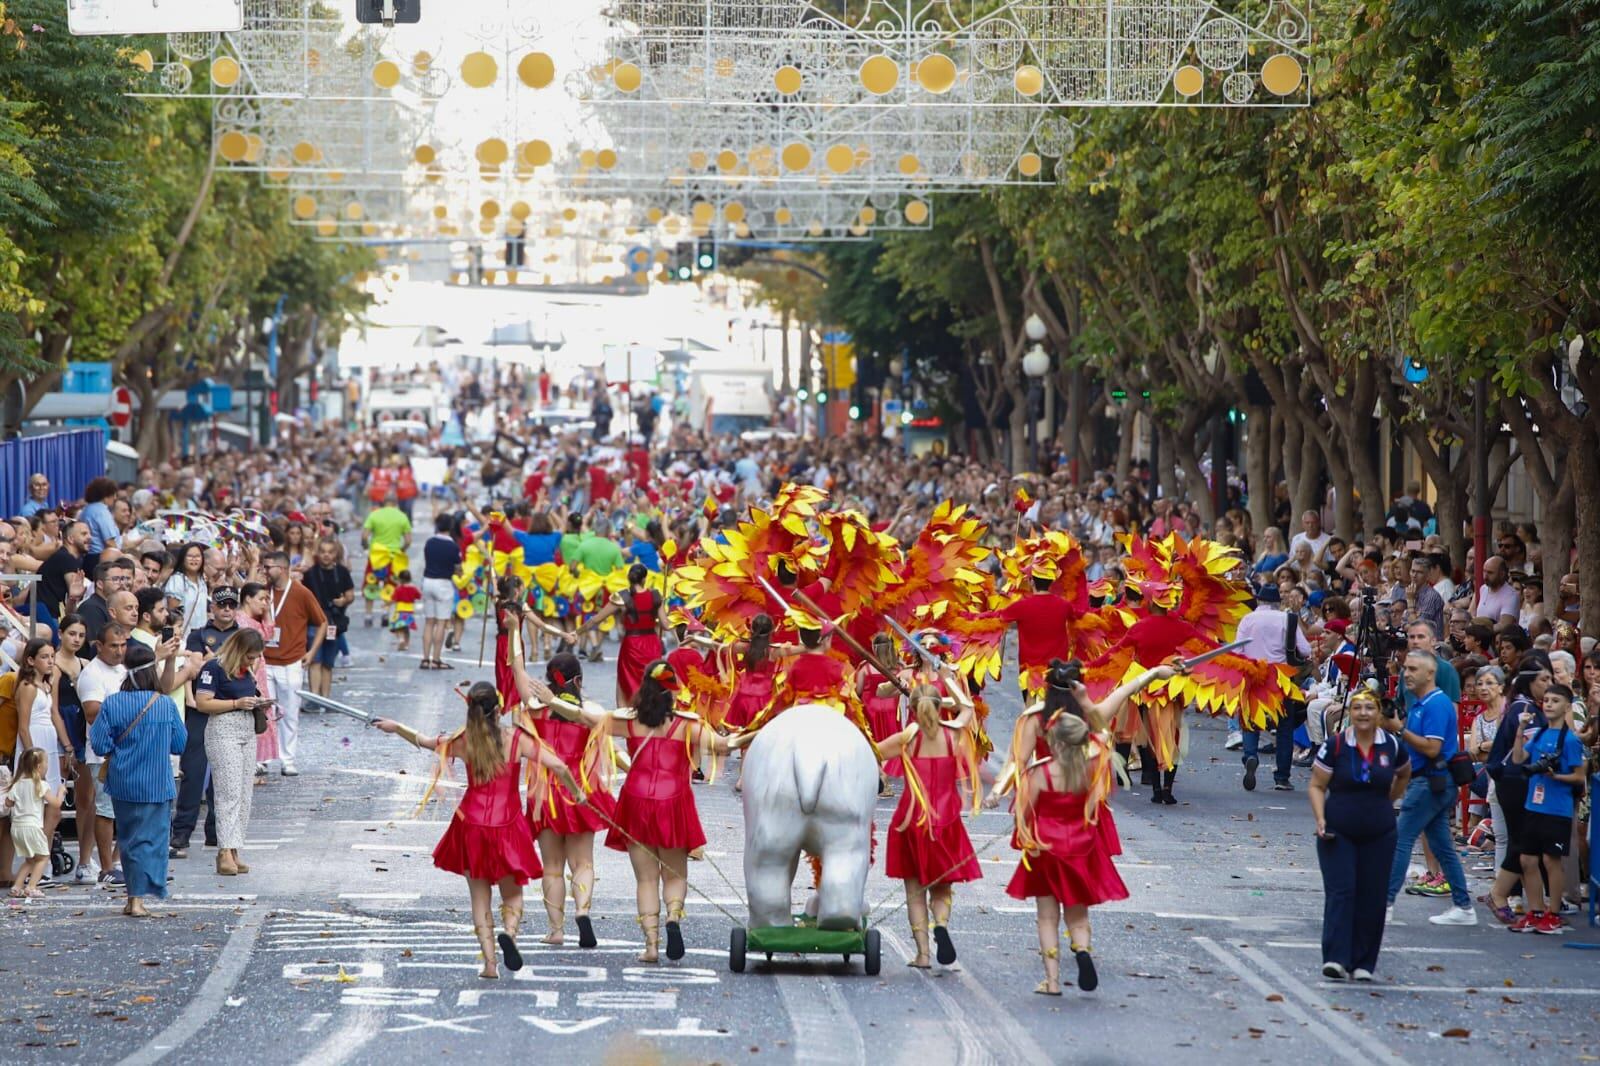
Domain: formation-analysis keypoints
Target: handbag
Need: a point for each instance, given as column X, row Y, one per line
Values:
column 259, row 716
column 1462, row 772
column 105, row 767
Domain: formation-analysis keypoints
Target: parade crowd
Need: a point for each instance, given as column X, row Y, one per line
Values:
column 161, row 630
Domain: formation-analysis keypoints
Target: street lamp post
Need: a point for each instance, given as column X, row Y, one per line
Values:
column 1035, row 365
column 1219, row 463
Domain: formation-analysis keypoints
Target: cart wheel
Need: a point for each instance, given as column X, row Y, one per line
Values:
column 873, row 957
column 736, row 950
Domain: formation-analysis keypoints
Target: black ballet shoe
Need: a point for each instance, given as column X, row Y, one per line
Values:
column 1168, row 798
column 508, row 949
column 586, row 937
column 1088, row 980
column 945, row 952
column 1156, row 796
column 674, row 941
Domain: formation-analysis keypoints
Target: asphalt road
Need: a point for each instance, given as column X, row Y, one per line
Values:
column 344, row 944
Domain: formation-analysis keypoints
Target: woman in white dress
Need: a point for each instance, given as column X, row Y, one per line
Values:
column 39, row 722
column 188, row 583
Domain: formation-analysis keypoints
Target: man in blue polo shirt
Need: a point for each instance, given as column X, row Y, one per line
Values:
column 1430, row 733
column 1553, row 756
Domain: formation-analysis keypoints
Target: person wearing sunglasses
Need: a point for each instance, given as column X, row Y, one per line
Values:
column 38, row 496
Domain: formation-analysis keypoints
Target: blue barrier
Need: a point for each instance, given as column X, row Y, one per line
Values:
column 70, row 460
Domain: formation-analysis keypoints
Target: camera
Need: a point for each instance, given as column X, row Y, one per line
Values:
column 1546, row 764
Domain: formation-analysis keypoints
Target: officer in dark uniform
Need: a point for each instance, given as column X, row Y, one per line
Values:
column 220, row 625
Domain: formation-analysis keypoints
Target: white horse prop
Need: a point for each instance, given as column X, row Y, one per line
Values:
column 810, row 781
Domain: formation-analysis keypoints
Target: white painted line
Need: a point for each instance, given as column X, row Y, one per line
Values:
column 825, row 1029
column 1280, row 871
column 387, row 847
column 1341, row 1048
column 230, row 966
column 1458, row 990
column 347, row 1040
column 315, row 1022
column 991, row 1019
column 270, row 840
column 380, row 895
column 214, row 895
column 1377, row 1050
column 1198, row 917
column 394, row 823
column 1312, row 945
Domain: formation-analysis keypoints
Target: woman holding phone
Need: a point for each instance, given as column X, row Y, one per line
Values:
column 226, row 692
column 1356, row 777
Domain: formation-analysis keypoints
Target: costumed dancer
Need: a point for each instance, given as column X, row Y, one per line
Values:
column 816, row 675
column 656, row 821
column 563, row 826
column 509, row 612
column 1066, row 867
column 644, row 617
column 928, row 847
column 880, row 701
column 488, row 841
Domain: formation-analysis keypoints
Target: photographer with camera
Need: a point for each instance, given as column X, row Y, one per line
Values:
column 1429, row 730
column 1551, row 754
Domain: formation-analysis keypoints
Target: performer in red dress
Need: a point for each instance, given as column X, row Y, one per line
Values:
column 563, row 825
column 928, row 845
column 643, row 620
column 880, row 701
column 509, row 611
column 656, row 822
column 487, row 841
column 757, row 660
column 1066, row 866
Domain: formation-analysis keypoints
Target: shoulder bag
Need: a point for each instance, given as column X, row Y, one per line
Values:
column 105, row 767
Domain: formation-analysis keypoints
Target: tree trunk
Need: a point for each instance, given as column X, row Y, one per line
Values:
column 1344, row 509
column 1125, row 443
column 1258, row 466
column 783, row 358
column 1017, row 431
column 1584, row 470
column 1195, row 488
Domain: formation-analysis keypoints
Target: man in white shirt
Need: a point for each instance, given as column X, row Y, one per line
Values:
column 1439, row 575
column 1498, row 600
column 99, row 678
column 1312, row 535
column 1267, row 629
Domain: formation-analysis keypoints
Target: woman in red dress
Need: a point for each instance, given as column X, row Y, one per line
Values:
column 644, row 619
column 880, row 699
column 488, row 841
column 656, row 822
column 562, row 823
column 509, row 610
column 928, row 846
column 1066, row 866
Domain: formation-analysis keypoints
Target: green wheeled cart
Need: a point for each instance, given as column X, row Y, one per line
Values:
column 804, row 938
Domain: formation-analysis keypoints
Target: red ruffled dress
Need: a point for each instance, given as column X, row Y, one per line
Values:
column 883, row 716
column 641, row 644
column 505, row 680
column 656, row 807
column 1105, row 826
column 752, row 693
column 488, row 838
column 550, row 807
column 1075, row 868
column 939, row 852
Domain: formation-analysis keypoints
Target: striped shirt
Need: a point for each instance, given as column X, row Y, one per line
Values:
column 141, row 771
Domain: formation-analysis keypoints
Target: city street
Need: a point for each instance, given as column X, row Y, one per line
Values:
column 345, row 945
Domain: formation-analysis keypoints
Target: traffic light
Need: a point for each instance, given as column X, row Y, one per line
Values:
column 515, row 251
column 1119, row 395
column 802, row 394
column 705, row 255
column 822, row 395
column 683, row 261
column 388, row 12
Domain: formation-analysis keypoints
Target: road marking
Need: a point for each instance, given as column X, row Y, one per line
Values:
column 388, row 847
column 686, row 1027
column 454, row 1025
column 316, row 1021
column 394, row 823
column 214, row 895
column 1352, row 1033
column 348, row 1039
column 995, row 1020
column 381, row 895
column 230, row 966
column 970, row 1045
column 543, row 998
column 825, row 1030
column 1458, row 990
column 563, row 1027
column 420, row 780
column 1312, row 945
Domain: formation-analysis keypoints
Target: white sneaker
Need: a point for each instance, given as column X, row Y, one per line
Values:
column 1388, row 915
column 1358, row 974
column 1456, row 916
column 1235, row 741
column 343, row 662
column 1334, row 972
column 86, row 875
column 289, row 770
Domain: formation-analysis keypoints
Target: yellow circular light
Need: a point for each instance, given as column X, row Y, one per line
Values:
column 327, row 227
column 653, row 215
column 535, row 153
column 673, row 224
column 697, row 160
column 254, row 147
column 723, row 67
column 605, row 159
column 233, row 146
column 354, row 211
column 225, row 71
column 493, row 152
column 815, row 227
column 385, row 75
column 879, row 75
column 424, row 154
column 702, row 213
column 369, row 229
column 335, row 176
column 421, row 63
column 910, row 164
column 143, row 60
column 868, row 215
column 1029, row 165
column 479, row 70
column 520, row 210
column 305, row 153
column 916, row 212
column 937, row 73
column 661, row 255
column 841, row 159
column 626, row 77
column 1188, row 80
column 536, row 70
column 489, row 209
column 1028, row 80
column 304, row 207
column 440, row 211
column 796, row 156
column 788, row 80
column 733, row 212
column 727, row 160
column 1281, row 75
column 783, row 216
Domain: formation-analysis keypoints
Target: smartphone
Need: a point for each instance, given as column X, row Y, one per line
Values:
column 166, row 634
